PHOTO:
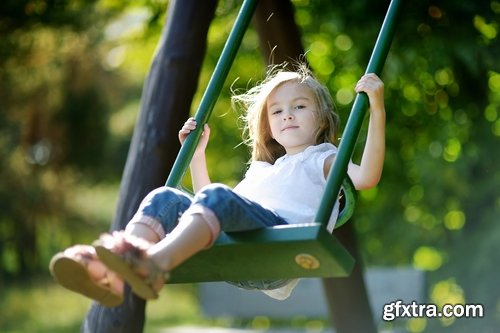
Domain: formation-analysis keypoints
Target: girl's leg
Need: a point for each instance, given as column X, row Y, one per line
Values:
column 197, row 229
column 158, row 214
column 125, row 251
column 79, row 269
column 215, row 208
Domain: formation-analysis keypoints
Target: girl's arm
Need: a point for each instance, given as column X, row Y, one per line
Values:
column 367, row 174
column 198, row 165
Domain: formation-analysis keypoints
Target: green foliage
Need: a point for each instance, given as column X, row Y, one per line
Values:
column 56, row 101
column 70, row 82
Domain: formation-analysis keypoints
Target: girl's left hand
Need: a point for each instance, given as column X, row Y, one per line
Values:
column 189, row 126
column 374, row 88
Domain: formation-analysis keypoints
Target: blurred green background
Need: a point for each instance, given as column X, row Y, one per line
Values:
column 71, row 75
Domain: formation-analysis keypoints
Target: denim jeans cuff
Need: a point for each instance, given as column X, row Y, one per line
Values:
column 209, row 217
column 150, row 222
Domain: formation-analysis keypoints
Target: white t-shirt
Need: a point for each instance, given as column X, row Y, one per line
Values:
column 292, row 187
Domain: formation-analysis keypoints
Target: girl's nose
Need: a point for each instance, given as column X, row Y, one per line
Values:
column 287, row 116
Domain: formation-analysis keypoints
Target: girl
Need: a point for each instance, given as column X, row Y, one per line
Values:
column 291, row 128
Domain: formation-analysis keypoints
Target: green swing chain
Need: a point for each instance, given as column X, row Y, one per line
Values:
column 339, row 169
column 212, row 92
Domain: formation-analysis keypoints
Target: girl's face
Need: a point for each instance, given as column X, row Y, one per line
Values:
column 291, row 112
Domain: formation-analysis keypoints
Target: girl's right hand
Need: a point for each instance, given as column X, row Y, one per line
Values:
column 188, row 127
column 374, row 88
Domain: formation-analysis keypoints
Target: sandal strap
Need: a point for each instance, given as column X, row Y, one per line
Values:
column 133, row 252
column 136, row 259
column 156, row 272
column 81, row 255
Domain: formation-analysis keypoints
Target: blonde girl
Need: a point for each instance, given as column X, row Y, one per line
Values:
column 290, row 127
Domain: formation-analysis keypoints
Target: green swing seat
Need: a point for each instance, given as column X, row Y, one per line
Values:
column 291, row 251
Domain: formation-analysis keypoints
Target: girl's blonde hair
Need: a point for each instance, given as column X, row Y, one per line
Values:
column 256, row 130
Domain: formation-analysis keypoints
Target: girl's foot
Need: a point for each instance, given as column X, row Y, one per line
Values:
column 78, row 269
column 126, row 255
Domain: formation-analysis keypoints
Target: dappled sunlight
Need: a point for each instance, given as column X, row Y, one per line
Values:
column 442, row 99
column 412, row 214
column 447, row 292
column 452, row 150
column 303, row 17
column 343, row 42
column 454, row 220
column 494, row 82
column 320, row 48
column 496, row 128
column 427, row 258
column 487, row 30
column 411, row 93
column 427, row 82
column 130, row 24
column 344, row 96
column 491, row 113
column 444, row 76
column 416, row 325
column 115, row 57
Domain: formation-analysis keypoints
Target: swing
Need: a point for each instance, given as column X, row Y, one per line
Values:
column 285, row 251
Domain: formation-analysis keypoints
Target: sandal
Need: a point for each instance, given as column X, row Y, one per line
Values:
column 72, row 270
column 126, row 254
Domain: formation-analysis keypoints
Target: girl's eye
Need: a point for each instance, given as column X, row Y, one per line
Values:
column 300, row 107
column 276, row 112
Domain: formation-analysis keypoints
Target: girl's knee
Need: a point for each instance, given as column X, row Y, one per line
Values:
column 164, row 204
column 214, row 190
column 213, row 195
column 164, row 193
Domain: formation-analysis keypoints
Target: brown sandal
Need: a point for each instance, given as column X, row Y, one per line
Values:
column 71, row 270
column 124, row 254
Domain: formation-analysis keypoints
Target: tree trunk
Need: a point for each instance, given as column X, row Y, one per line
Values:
column 280, row 41
column 279, row 36
column 166, row 100
column 347, row 298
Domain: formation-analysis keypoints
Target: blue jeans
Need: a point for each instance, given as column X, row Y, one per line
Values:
column 234, row 213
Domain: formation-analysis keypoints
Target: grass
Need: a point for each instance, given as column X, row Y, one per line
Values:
column 43, row 307
column 40, row 307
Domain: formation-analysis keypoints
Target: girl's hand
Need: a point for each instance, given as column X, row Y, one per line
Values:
column 374, row 88
column 367, row 174
column 188, row 127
